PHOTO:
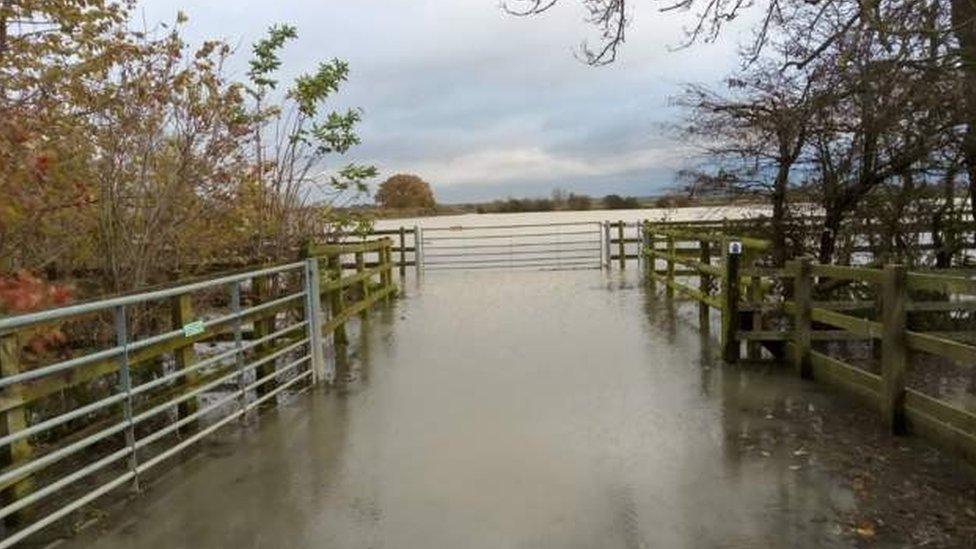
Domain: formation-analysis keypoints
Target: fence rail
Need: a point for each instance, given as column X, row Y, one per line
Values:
column 79, row 426
column 724, row 278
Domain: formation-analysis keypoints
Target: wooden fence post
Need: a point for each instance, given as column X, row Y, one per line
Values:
column 802, row 322
column 364, row 283
column 403, row 251
column 185, row 356
column 381, row 263
column 389, row 264
column 639, row 225
column 704, row 284
column 669, row 291
column 386, row 267
column 894, row 348
column 644, row 244
column 621, row 244
column 15, row 419
column 336, row 306
column 263, row 327
column 730, row 306
column 754, row 296
column 650, row 261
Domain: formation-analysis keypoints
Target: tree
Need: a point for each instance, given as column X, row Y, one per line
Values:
column 292, row 139
column 578, row 202
column 760, row 129
column 405, row 191
column 129, row 158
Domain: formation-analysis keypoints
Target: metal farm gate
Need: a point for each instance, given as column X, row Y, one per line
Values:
column 576, row 245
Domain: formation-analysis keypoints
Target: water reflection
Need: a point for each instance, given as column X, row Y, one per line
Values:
column 491, row 410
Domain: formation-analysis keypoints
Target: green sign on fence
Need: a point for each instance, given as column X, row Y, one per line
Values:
column 193, row 328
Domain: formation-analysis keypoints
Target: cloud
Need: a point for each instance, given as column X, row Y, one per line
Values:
column 485, row 104
column 535, row 164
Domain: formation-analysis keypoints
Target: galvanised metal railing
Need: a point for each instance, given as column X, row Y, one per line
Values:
column 82, row 426
column 530, row 245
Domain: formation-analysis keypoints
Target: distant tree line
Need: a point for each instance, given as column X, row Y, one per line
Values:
column 617, row 202
column 560, row 200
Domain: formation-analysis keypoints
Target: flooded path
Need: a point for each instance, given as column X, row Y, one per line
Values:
column 517, row 410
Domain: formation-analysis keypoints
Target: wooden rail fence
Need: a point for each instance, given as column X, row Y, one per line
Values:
column 723, row 279
column 405, row 248
column 870, row 240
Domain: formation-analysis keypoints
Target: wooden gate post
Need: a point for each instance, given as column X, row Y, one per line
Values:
column 185, row 356
column 621, row 244
column 730, row 306
column 403, row 251
column 704, row 284
column 13, row 420
column 755, row 298
column 336, row 306
column 386, row 267
column 641, row 237
column 669, row 290
column 650, row 260
column 894, row 348
column 802, row 322
column 381, row 263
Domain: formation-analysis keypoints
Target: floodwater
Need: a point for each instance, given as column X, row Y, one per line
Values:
column 507, row 410
column 698, row 213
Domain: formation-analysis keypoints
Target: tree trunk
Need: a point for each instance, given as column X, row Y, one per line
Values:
column 779, row 215
column 828, row 239
column 5, row 7
column 964, row 23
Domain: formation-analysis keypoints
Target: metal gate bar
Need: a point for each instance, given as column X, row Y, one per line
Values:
column 569, row 265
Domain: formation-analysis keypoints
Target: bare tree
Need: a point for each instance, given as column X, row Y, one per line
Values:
column 761, row 127
column 940, row 34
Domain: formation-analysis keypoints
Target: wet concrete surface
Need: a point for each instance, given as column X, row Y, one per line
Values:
column 532, row 410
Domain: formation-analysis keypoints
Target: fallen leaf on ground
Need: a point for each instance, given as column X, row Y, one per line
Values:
column 865, row 529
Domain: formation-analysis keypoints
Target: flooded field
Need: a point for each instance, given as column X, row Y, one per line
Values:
column 498, row 409
column 699, row 213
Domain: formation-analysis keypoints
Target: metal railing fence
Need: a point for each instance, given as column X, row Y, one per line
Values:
column 77, row 425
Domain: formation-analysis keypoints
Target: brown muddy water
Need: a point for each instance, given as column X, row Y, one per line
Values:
column 549, row 410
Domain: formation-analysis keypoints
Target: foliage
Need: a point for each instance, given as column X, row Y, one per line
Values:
column 519, row 205
column 617, row 202
column 578, row 202
column 561, row 200
column 405, row 191
column 23, row 292
column 672, row 201
column 128, row 158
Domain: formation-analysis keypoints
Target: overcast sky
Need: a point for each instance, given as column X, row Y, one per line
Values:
column 481, row 104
